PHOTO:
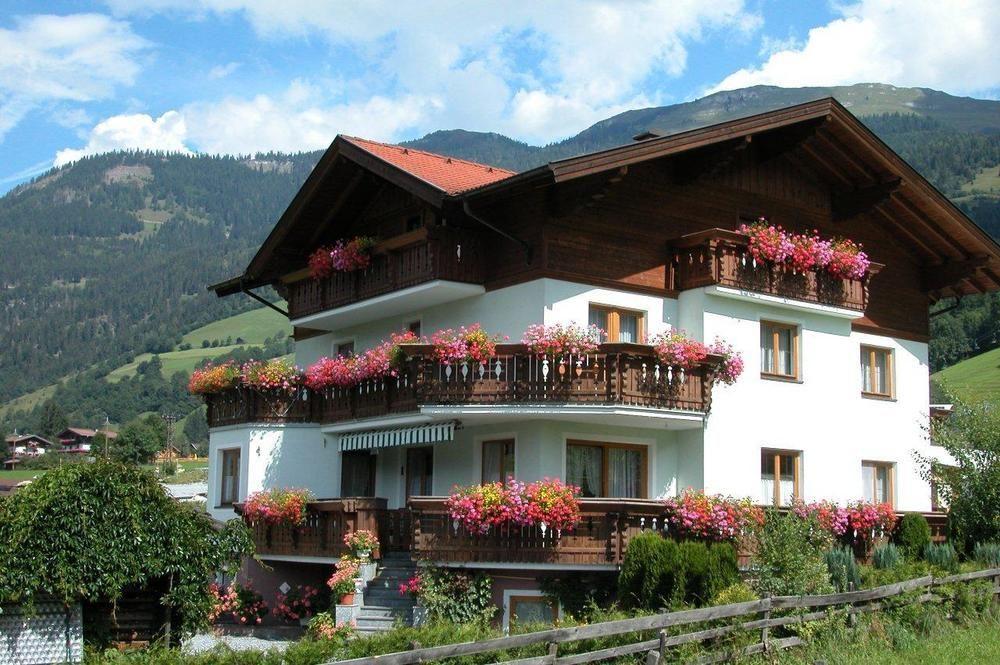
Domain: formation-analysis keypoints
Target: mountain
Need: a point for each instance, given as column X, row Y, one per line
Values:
column 105, row 261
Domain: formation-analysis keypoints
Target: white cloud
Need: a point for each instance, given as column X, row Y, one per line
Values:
column 78, row 58
column 222, row 71
column 539, row 71
column 951, row 46
column 138, row 131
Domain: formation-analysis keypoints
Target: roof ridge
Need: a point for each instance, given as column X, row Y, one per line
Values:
column 447, row 158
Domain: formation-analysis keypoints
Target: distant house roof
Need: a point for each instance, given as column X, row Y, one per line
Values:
column 25, row 438
column 449, row 174
column 84, row 431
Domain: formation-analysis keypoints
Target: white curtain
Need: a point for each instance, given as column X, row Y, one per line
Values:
column 766, row 350
column 583, row 469
column 492, row 455
column 868, row 480
column 787, row 487
column 625, row 473
column 628, row 327
column 785, row 351
column 599, row 318
column 767, row 488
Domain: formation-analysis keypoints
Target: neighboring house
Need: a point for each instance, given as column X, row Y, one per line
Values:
column 171, row 452
column 28, row 445
column 79, row 440
column 638, row 239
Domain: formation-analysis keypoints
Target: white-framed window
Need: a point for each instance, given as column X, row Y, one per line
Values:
column 779, row 351
column 877, row 372
column 229, row 476
column 780, row 477
column 528, row 606
column 877, row 481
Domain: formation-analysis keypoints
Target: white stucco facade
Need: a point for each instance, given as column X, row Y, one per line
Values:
column 822, row 416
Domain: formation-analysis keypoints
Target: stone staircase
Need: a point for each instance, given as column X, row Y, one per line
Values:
column 383, row 605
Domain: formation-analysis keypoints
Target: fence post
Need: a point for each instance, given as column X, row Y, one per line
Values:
column 652, row 658
column 996, row 592
column 663, row 643
column 852, row 616
column 765, row 629
column 553, row 652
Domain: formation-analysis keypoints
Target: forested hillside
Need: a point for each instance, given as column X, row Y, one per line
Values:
column 109, row 258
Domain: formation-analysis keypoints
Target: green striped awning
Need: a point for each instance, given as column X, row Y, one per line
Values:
column 400, row 436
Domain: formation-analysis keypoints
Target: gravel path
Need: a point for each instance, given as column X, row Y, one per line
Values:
column 203, row 642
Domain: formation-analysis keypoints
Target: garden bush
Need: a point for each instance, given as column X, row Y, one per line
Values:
column 458, row 597
column 913, row 534
column 660, row 573
column 734, row 593
column 843, row 569
column 987, row 554
column 886, row 556
column 789, row 558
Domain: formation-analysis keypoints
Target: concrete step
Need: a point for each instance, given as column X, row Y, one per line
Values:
column 375, row 624
column 388, row 601
column 375, row 611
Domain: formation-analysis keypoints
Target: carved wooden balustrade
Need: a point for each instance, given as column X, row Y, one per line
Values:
column 717, row 256
column 601, row 535
column 615, row 375
column 424, row 256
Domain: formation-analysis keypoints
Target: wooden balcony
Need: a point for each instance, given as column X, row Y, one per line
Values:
column 720, row 257
column 624, row 375
column 327, row 522
column 414, row 258
column 600, row 538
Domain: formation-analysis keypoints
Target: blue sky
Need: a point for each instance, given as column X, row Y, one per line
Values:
column 239, row 76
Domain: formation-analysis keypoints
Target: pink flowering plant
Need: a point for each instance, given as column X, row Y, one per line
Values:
column 676, row 349
column 278, row 374
column 867, row 519
column 341, row 583
column 771, row 244
column 466, row 343
column 238, row 602
column 848, row 260
column 712, row 517
column 361, row 540
column 324, row 627
column 381, row 361
column 343, row 256
column 277, row 506
column 731, row 367
column 411, row 587
column 829, row 516
column 299, row 603
column 213, row 378
column 559, row 339
column 551, row 502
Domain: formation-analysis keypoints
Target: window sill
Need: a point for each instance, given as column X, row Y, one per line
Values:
column 780, row 378
column 878, row 397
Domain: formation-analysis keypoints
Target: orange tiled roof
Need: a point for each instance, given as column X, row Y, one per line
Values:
column 449, row 174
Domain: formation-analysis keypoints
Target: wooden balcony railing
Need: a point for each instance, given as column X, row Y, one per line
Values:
column 601, row 535
column 614, row 375
column 425, row 530
column 721, row 257
column 418, row 257
column 328, row 521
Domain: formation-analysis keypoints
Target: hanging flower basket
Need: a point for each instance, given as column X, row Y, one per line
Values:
column 344, row 256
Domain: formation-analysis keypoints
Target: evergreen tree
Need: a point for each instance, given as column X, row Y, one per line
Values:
column 51, row 420
column 196, row 430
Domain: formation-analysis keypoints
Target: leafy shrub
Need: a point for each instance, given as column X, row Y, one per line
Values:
column 907, row 570
column 886, row 556
column 843, row 569
column 658, row 572
column 457, row 597
column 734, row 593
column 579, row 593
column 987, row 554
column 942, row 555
column 913, row 534
column 789, row 558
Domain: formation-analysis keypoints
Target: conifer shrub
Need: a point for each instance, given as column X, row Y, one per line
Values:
column 912, row 535
column 942, row 555
column 845, row 575
column 987, row 554
column 886, row 556
column 660, row 573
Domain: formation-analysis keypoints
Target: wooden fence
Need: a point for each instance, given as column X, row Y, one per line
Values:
column 856, row 602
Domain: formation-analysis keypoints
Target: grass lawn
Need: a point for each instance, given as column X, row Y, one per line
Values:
column 188, row 471
column 974, row 379
column 986, row 181
column 952, row 645
column 18, row 475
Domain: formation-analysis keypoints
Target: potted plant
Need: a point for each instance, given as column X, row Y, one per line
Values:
column 342, row 582
column 362, row 542
column 413, row 587
column 324, row 627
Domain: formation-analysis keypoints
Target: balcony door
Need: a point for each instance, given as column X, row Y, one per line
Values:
column 419, row 472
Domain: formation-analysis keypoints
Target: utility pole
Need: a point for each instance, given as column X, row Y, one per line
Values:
column 170, row 419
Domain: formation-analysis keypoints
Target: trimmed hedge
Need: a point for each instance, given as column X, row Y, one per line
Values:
column 913, row 535
column 658, row 572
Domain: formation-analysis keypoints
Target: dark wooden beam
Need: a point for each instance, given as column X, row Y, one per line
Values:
column 935, row 278
column 838, row 147
column 708, row 161
column 336, row 206
column 771, row 145
column 896, row 227
column 852, row 203
column 828, row 167
column 925, row 221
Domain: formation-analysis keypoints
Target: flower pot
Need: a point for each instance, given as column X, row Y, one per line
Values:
column 347, row 599
column 364, row 555
column 368, row 571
